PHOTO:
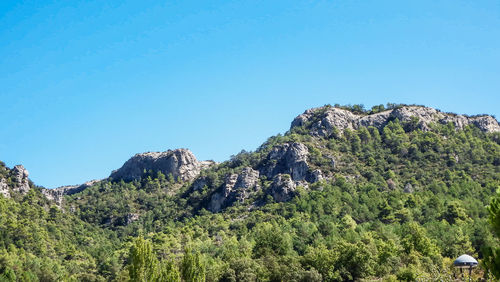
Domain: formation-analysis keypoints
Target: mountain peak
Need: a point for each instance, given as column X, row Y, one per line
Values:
column 322, row 121
column 180, row 163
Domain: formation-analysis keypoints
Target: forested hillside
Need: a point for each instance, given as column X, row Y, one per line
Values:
column 346, row 194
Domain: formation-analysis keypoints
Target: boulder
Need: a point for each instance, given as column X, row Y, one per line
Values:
column 408, row 188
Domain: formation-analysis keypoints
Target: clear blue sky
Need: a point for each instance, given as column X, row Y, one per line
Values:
column 85, row 85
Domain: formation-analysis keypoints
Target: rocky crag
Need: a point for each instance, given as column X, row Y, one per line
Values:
column 57, row 194
column 180, row 163
column 325, row 120
column 19, row 182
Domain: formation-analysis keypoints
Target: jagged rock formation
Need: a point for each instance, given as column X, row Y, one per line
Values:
column 286, row 165
column 57, row 194
column 20, row 182
column 236, row 187
column 323, row 121
column 288, row 158
column 4, row 188
column 283, row 188
column 180, row 163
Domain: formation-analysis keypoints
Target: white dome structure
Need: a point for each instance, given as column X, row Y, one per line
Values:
column 465, row 261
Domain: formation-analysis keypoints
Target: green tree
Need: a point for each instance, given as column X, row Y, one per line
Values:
column 169, row 272
column 492, row 253
column 193, row 268
column 142, row 262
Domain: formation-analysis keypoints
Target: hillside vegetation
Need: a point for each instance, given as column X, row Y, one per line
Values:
column 393, row 201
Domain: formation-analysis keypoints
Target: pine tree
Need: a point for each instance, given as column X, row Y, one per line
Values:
column 142, row 262
column 193, row 269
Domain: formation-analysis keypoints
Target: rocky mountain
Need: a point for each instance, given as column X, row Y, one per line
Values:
column 346, row 194
column 286, row 165
column 322, row 121
column 180, row 163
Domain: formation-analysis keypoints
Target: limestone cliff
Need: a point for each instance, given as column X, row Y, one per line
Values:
column 325, row 120
column 180, row 163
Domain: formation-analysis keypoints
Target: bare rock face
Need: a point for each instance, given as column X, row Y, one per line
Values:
column 328, row 119
column 21, row 181
column 486, row 123
column 4, row 188
column 236, row 188
column 57, row 194
column 323, row 121
column 283, row 188
column 316, row 176
column 288, row 158
column 181, row 163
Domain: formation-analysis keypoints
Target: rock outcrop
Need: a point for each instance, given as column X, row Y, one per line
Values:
column 21, row 181
column 57, row 194
column 180, row 163
column 283, row 188
column 236, row 188
column 4, row 188
column 325, row 120
column 290, row 158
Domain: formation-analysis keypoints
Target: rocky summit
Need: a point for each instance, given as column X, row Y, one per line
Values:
column 325, row 120
column 180, row 163
column 19, row 182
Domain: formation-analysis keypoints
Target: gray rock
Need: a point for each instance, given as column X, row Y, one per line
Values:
column 329, row 119
column 20, row 175
column 486, row 123
column 288, row 158
column 131, row 217
column 322, row 121
column 57, row 194
column 236, row 188
column 408, row 188
column 181, row 163
column 316, row 175
column 283, row 188
column 216, row 202
column 4, row 188
column 377, row 120
column 199, row 183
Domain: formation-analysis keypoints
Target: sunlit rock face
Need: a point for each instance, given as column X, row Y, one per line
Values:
column 290, row 158
column 326, row 120
column 180, row 163
column 236, row 188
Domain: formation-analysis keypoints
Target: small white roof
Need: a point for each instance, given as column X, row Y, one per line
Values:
column 465, row 261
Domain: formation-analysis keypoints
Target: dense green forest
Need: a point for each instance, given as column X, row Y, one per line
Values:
column 393, row 203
